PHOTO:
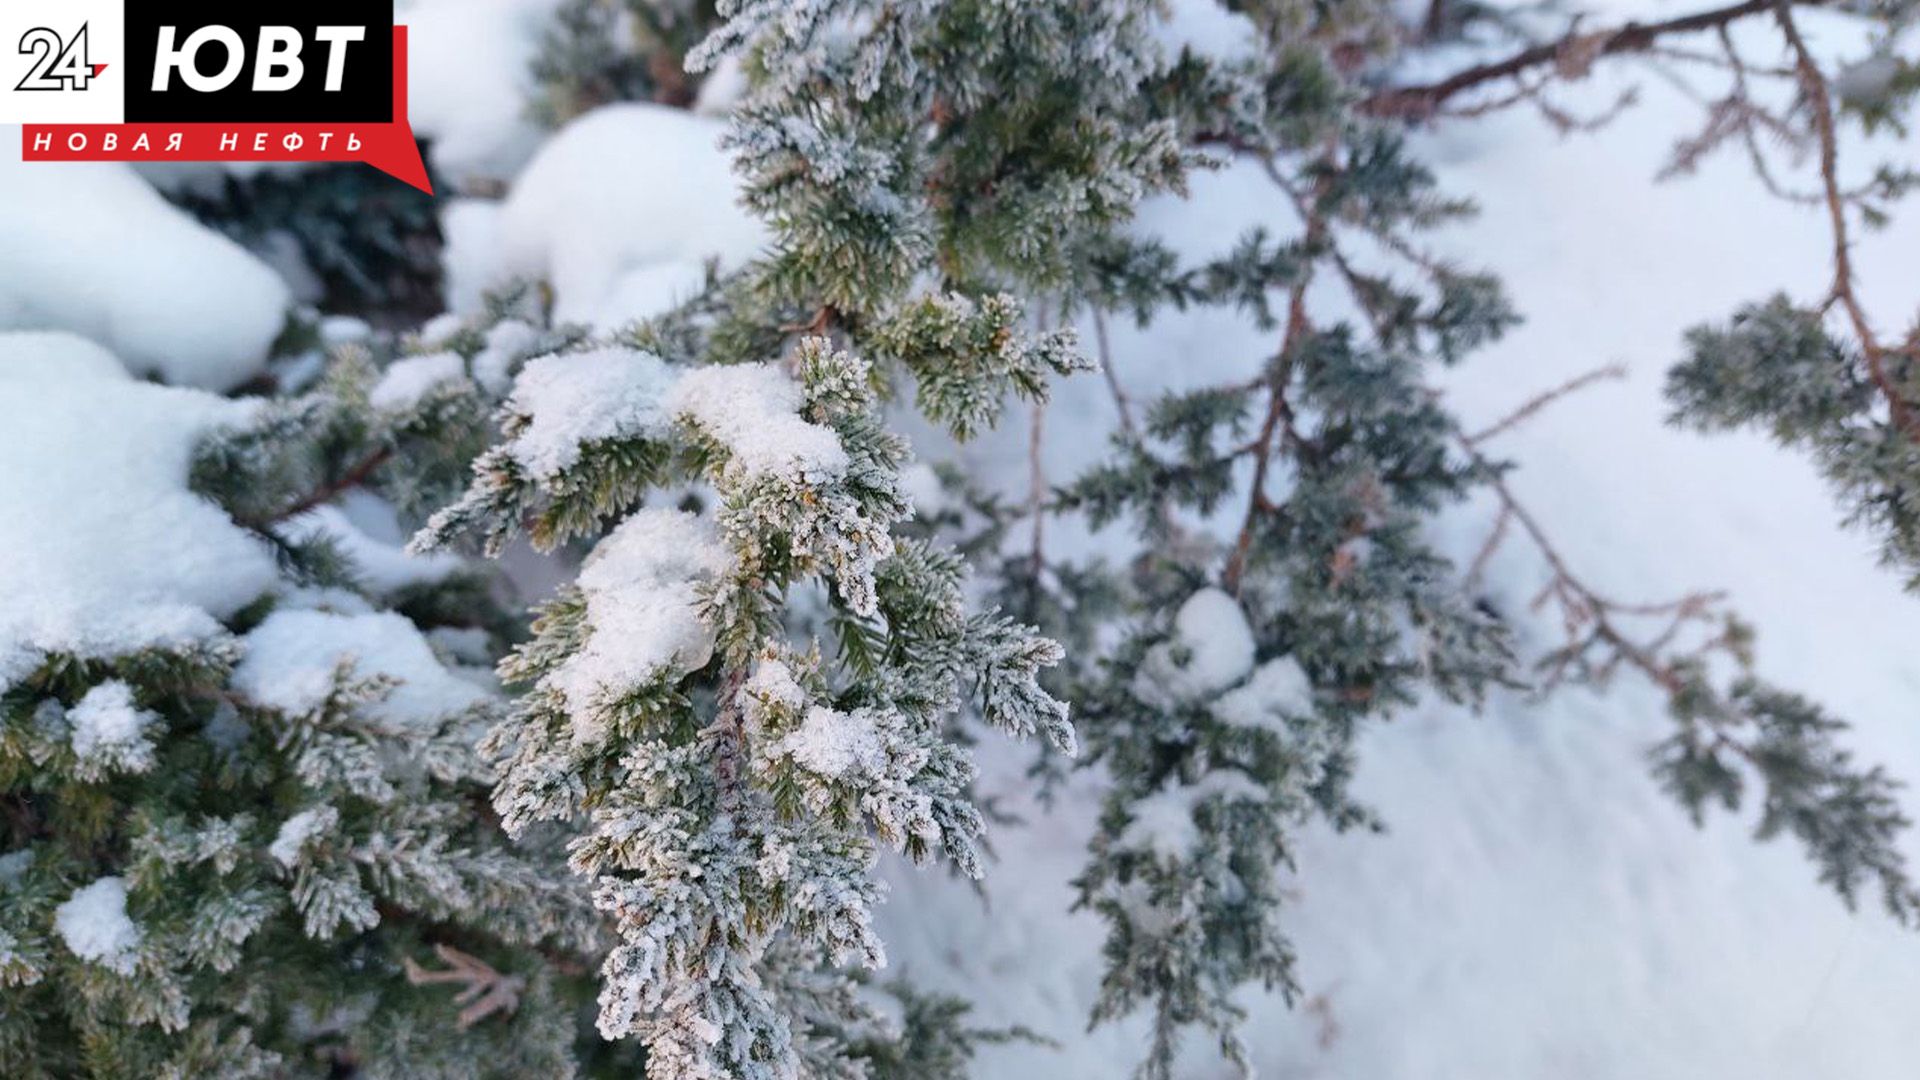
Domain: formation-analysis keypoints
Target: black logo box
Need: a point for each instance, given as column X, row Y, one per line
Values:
column 366, row 87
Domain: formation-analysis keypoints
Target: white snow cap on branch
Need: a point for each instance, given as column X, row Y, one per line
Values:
column 292, row 658
column 1211, row 649
column 365, row 530
column 95, row 926
column 107, row 729
column 641, row 585
column 406, row 382
column 299, row 830
column 1278, row 691
column 30, row 356
column 104, row 550
column 835, row 744
column 577, row 398
column 754, row 411
column 614, row 252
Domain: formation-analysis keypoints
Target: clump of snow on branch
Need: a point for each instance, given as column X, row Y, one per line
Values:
column 357, row 529
column 300, row 830
column 573, row 399
column 109, row 732
column 1277, row 690
column 753, row 410
column 614, row 252
column 468, row 80
column 293, row 659
column 95, row 926
column 1163, row 822
column 1211, row 649
column 642, row 589
column 104, row 549
column 30, row 356
column 406, row 382
column 835, row 744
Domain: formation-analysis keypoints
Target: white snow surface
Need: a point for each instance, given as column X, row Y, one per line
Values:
column 106, row 723
column 94, row 924
column 1537, row 908
column 299, row 830
column 834, row 744
column 55, row 356
column 572, row 399
column 406, row 382
column 103, row 548
column 1211, row 649
column 468, row 82
column 619, row 237
column 642, row 589
column 364, row 529
column 576, row 398
column 753, row 410
column 92, row 248
column 292, row 655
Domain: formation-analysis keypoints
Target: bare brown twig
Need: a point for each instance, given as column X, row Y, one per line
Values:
column 358, row 474
column 1820, row 107
column 1543, row 399
column 484, row 991
column 1425, row 101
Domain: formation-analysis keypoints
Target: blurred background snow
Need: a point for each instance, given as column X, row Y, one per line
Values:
column 1536, row 908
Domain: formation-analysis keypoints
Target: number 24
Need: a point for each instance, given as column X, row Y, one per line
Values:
column 57, row 65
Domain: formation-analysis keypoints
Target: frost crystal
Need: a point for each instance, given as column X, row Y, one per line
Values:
column 836, row 744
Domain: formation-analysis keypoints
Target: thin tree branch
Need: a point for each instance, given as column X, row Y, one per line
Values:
column 1424, row 101
column 1815, row 91
column 1543, row 399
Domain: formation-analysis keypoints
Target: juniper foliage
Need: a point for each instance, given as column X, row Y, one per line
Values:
column 219, row 864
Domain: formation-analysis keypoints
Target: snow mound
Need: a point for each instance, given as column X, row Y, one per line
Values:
column 468, row 82
column 94, row 924
column 106, row 726
column 577, row 398
column 91, row 248
column 643, row 601
column 1535, row 895
column 1208, row 29
column 104, row 550
column 1211, row 649
column 55, row 356
column 618, row 236
column 292, row 656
